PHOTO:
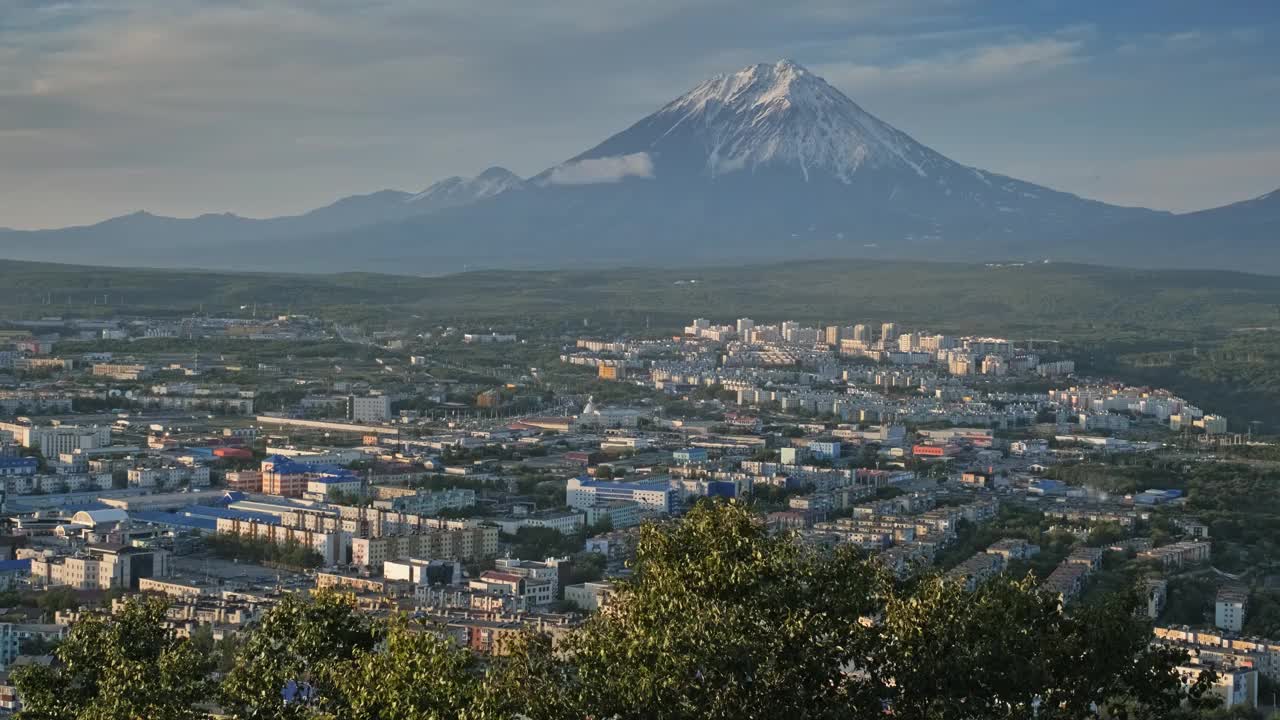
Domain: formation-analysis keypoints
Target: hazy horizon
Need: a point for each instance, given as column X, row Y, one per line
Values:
column 204, row 106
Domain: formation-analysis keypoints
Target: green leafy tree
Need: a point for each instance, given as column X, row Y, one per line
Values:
column 537, row 543
column 1104, row 534
column 58, row 598
column 724, row 620
column 290, row 664
column 1007, row 650
column 720, row 620
column 414, row 675
column 124, row 666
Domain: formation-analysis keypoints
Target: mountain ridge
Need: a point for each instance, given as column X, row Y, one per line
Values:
column 766, row 162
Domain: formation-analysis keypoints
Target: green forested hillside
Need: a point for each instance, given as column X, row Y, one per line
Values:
column 1066, row 301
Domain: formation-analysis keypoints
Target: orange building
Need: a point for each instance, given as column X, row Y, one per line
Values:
column 245, row 481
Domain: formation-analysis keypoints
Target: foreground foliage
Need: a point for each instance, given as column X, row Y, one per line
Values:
column 721, row 620
column 121, row 667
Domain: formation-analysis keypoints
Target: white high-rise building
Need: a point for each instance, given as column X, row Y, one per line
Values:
column 888, row 333
column 1229, row 608
column 374, row 408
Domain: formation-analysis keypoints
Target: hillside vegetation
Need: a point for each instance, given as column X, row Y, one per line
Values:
column 1065, row 301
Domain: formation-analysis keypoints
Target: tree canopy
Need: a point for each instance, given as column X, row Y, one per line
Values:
column 721, row 619
column 122, row 666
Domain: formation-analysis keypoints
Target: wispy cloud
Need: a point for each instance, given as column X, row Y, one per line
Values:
column 985, row 65
column 593, row 171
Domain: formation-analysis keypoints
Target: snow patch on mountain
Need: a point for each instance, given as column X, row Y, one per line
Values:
column 458, row 190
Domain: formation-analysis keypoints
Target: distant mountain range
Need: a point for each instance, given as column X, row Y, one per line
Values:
column 769, row 162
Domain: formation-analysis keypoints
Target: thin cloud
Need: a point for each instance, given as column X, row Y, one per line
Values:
column 593, row 171
column 984, row 65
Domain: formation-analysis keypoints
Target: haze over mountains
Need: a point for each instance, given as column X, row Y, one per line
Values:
column 769, row 162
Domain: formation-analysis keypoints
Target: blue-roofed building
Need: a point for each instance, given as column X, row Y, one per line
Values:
column 73, row 508
column 288, row 466
column 722, row 488
column 286, row 478
column 651, row 495
column 689, row 489
column 233, row 496
column 18, row 466
column 690, row 455
column 176, row 520
column 1156, row 497
column 218, row 513
column 1044, row 486
column 14, row 573
column 203, row 518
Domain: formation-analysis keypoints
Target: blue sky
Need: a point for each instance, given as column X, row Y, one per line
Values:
column 189, row 106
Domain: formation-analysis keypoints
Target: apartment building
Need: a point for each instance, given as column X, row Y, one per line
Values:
column 465, row 541
column 121, row 371
column 170, row 476
column 977, row 569
column 374, row 408
column 429, row 502
column 424, row 572
column 101, row 567
column 14, row 635
column 1178, row 554
column 652, row 495
column 47, row 484
column 1156, row 591
column 1014, row 549
column 1234, row 686
column 1226, row 648
column 549, row 570
column 1229, row 608
column 529, row 592
column 178, row 588
column 1067, row 581
column 331, row 546
column 244, row 481
column 590, row 596
column 566, row 523
column 53, row 440
column 375, row 521
column 619, row 514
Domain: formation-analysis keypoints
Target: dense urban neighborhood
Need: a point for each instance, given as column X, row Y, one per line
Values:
column 227, row 464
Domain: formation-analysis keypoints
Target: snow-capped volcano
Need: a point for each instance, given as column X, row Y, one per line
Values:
column 765, row 115
column 763, row 163
column 778, row 130
column 770, row 117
